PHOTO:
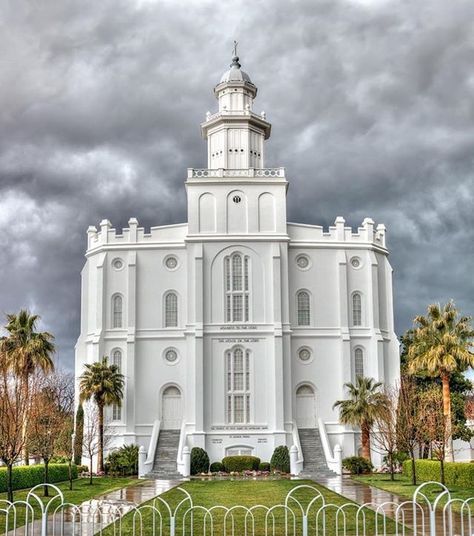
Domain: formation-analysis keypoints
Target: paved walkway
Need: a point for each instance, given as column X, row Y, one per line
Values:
column 363, row 494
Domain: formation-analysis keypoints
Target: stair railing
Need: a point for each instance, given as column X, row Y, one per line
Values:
column 180, row 461
column 333, row 460
column 297, row 444
column 150, row 458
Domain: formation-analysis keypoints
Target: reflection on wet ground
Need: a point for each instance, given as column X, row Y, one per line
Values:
column 398, row 508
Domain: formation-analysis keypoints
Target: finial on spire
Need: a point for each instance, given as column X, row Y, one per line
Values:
column 235, row 58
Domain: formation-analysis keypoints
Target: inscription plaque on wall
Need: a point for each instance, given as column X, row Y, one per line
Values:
column 238, row 340
column 244, row 326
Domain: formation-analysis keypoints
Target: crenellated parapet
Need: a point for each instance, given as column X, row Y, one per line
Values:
column 367, row 233
column 107, row 235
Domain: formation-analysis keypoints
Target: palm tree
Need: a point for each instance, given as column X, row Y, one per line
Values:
column 103, row 383
column 442, row 344
column 27, row 351
column 365, row 402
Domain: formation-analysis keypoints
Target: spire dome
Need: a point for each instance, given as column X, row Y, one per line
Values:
column 235, row 73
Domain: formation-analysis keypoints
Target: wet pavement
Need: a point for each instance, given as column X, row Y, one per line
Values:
column 397, row 507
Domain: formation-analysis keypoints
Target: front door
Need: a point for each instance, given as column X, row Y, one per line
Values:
column 305, row 407
column 171, row 409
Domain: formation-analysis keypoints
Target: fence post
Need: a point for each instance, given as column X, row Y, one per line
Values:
column 305, row 525
column 44, row 523
column 172, row 526
column 293, row 460
column 186, row 461
column 141, row 462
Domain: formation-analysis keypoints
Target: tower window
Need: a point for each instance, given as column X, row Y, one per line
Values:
column 236, row 199
column 237, row 293
column 303, row 308
column 117, row 361
column 238, row 386
column 359, row 362
column 356, row 309
column 171, row 310
column 117, row 306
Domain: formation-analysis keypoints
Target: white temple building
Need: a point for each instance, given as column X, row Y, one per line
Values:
column 237, row 330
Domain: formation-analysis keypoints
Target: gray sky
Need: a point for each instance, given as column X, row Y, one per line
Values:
column 372, row 106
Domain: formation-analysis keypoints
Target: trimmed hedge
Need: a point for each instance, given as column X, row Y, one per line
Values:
column 216, row 467
column 264, row 466
column 455, row 473
column 27, row 476
column 199, row 461
column 281, row 459
column 357, row 465
column 240, row 463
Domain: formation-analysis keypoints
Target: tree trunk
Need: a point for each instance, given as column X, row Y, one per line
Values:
column 100, row 454
column 442, row 471
column 365, row 437
column 70, row 474
column 90, row 472
column 392, row 470
column 413, row 468
column 10, row 482
column 447, row 416
column 46, row 477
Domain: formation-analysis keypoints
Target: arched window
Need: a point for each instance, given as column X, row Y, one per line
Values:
column 237, row 293
column 303, row 308
column 117, row 361
column 356, row 309
column 171, row 310
column 238, row 386
column 117, row 307
column 359, row 362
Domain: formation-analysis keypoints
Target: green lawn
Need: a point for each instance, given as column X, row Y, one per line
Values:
column 403, row 487
column 247, row 493
column 82, row 491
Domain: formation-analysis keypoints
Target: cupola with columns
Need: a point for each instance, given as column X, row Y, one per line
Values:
column 235, row 134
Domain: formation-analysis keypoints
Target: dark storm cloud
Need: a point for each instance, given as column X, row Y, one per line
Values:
column 372, row 109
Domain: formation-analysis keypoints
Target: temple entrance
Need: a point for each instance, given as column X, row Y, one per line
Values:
column 305, row 407
column 171, row 409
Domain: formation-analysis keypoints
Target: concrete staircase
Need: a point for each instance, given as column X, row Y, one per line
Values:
column 314, row 459
column 164, row 466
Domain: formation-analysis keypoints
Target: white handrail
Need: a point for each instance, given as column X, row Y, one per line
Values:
column 153, row 443
column 182, row 443
column 333, row 461
column 297, row 443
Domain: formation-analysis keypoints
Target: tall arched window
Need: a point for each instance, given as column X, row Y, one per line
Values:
column 117, row 306
column 356, row 309
column 117, row 361
column 359, row 362
column 238, row 386
column 171, row 310
column 303, row 308
column 237, row 293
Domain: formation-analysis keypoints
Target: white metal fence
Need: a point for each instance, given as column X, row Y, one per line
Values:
column 304, row 512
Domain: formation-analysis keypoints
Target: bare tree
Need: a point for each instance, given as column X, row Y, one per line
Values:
column 409, row 423
column 14, row 409
column 385, row 431
column 90, row 442
column 51, row 420
column 435, row 431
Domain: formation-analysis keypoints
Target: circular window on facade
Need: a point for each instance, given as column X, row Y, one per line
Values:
column 304, row 354
column 302, row 261
column 236, row 199
column 356, row 262
column 171, row 355
column 171, row 262
column 117, row 264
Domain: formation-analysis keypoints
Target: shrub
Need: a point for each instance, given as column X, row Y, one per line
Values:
column 217, row 467
column 455, row 473
column 240, row 463
column 264, row 466
column 27, row 476
column 199, row 461
column 357, row 465
column 280, row 459
column 123, row 461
